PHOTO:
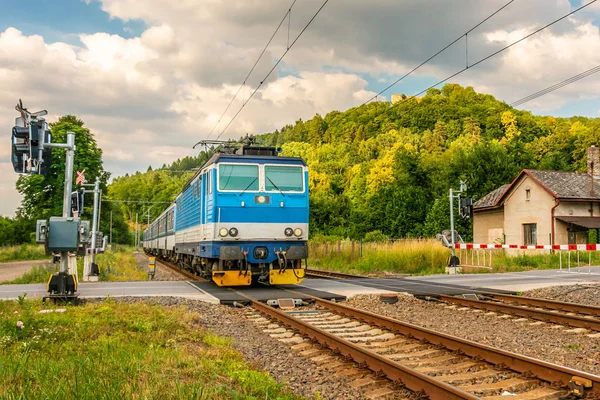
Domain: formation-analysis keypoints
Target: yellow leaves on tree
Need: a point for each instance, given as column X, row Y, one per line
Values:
column 381, row 171
column 318, row 181
column 509, row 122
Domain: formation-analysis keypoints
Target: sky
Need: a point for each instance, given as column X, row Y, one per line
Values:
column 152, row 78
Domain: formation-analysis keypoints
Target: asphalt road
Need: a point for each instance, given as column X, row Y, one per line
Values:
column 12, row 270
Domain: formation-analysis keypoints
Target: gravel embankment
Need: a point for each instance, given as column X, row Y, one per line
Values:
column 299, row 373
column 161, row 273
column 588, row 294
column 542, row 341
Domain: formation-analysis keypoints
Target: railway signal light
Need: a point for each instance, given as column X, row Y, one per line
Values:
column 20, row 149
column 466, row 207
column 29, row 135
column 77, row 201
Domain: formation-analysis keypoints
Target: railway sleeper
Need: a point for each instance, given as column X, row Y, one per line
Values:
column 470, row 374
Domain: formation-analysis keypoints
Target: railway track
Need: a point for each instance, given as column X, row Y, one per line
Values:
column 319, row 273
column 562, row 313
column 431, row 364
column 180, row 271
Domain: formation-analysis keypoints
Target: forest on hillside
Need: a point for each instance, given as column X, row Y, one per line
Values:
column 388, row 167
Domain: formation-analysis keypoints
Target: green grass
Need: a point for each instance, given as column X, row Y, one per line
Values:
column 22, row 252
column 115, row 265
column 113, row 350
column 119, row 264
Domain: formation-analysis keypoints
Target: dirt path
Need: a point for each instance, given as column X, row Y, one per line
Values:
column 13, row 270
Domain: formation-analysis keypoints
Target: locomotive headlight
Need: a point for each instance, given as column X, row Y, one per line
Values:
column 288, row 232
column 261, row 199
column 223, row 232
column 298, row 232
column 233, row 232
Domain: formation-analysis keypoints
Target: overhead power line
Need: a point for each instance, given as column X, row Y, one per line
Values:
column 506, row 47
column 464, row 35
column 288, row 16
column 557, row 86
column 274, row 66
column 136, row 201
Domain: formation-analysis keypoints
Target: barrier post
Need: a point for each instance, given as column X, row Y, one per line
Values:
column 560, row 262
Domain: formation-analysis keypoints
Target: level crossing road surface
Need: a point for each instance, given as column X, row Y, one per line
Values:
column 422, row 285
column 519, row 281
column 116, row 289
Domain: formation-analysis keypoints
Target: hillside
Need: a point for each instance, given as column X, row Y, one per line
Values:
column 389, row 167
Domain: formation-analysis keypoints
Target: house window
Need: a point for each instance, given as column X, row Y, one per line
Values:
column 529, row 234
column 527, row 194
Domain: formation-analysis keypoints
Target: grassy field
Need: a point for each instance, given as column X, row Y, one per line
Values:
column 417, row 257
column 113, row 350
column 22, row 252
column 117, row 264
column 428, row 256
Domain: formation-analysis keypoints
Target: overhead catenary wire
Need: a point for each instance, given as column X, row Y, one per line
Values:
column 135, row 201
column 556, row 86
column 273, row 68
column 438, row 53
column 288, row 16
column 506, row 47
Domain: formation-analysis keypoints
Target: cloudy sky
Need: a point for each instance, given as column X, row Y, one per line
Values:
column 151, row 78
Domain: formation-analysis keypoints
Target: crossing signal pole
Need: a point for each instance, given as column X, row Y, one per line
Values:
column 455, row 194
column 31, row 154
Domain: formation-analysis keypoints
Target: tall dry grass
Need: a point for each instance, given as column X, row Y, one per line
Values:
column 428, row 256
column 407, row 256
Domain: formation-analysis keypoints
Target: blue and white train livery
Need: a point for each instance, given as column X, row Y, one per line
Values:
column 242, row 218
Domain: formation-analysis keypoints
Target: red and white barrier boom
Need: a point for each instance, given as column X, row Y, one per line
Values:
column 580, row 247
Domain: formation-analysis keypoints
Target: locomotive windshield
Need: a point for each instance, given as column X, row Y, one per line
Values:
column 283, row 178
column 238, row 177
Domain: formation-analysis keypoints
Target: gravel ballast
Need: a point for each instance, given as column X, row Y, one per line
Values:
column 588, row 294
column 534, row 339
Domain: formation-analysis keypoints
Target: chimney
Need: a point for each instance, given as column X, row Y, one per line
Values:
column 593, row 162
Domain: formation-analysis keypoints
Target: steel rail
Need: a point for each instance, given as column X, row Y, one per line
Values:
column 555, row 374
column 408, row 377
column 549, row 304
column 541, row 315
column 180, row 271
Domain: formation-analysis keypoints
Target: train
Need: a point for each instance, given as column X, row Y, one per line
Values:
column 242, row 219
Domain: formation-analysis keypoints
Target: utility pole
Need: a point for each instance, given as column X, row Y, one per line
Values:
column 95, row 216
column 68, row 187
column 136, row 231
column 110, row 234
column 91, row 257
column 454, row 194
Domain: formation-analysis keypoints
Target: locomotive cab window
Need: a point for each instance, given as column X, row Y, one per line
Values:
column 238, row 177
column 283, row 178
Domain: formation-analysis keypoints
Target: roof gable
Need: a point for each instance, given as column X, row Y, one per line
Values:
column 567, row 185
column 491, row 199
column 560, row 184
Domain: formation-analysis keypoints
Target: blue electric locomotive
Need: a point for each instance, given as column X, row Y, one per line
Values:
column 243, row 217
